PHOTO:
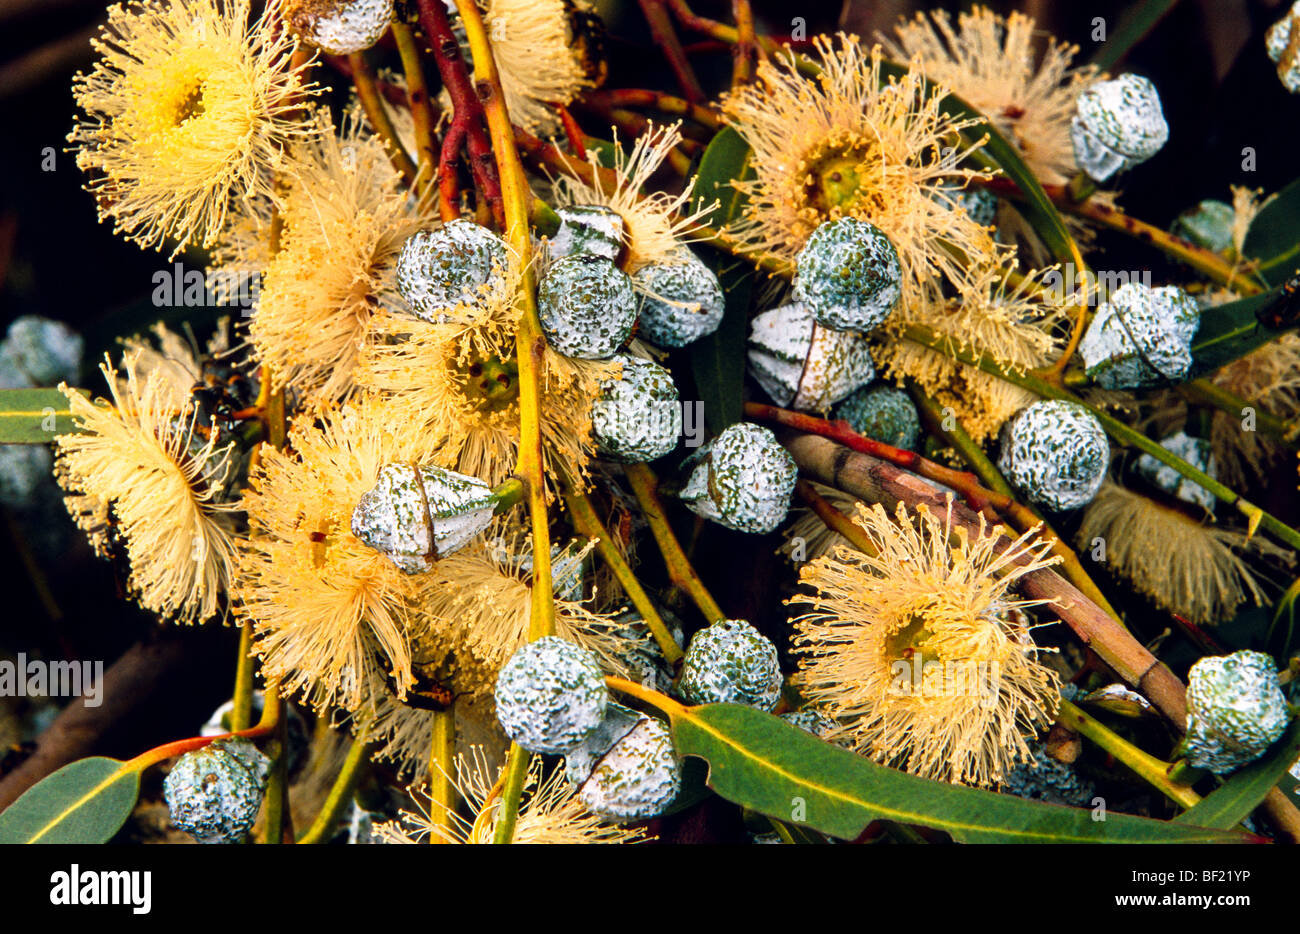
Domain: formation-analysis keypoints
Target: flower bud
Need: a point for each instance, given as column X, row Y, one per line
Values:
column 1197, row 452
column 1208, row 225
column 1235, row 710
column 339, row 27
column 638, row 416
column 743, row 481
column 631, row 772
column 1283, row 44
column 731, row 662
column 214, row 793
column 1118, row 124
column 1056, row 453
column 416, row 514
column 1141, row 337
column 882, row 413
column 848, row 275
column 550, row 695
column 803, row 365
column 591, row 229
column 681, row 300
column 458, row 266
column 586, row 307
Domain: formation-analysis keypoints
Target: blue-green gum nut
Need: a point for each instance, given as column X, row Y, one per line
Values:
column 743, row 481
column 1141, row 337
column 1283, row 43
column 731, row 662
column 1209, row 225
column 980, row 204
column 848, row 274
column 459, row 264
column 23, row 469
column 214, row 793
column 811, row 721
column 882, row 413
column 638, row 416
column 803, row 365
column 1056, row 453
column 1042, row 778
column 681, row 300
column 550, row 695
column 339, row 27
column 42, row 351
column 592, row 229
column 1197, row 452
column 1117, row 124
column 1235, row 710
column 414, row 514
column 586, row 306
column 638, row 777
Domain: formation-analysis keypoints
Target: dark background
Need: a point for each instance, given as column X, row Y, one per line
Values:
column 1220, row 94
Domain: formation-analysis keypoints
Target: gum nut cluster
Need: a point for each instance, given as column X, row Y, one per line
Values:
column 1056, row 452
column 1235, row 710
column 37, row 351
column 848, row 275
column 1043, row 778
column 638, row 416
column 681, row 300
column 550, row 695
column 882, row 413
column 459, row 264
column 339, row 27
column 1283, row 43
column 214, row 793
column 1198, row 453
column 1141, row 337
column 415, row 515
column 731, row 662
column 743, row 481
column 1208, row 225
column 636, row 777
column 592, row 229
column 1118, row 124
column 803, row 365
column 810, row 721
column 586, row 306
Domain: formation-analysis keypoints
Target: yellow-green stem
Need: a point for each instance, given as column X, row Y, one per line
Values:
column 241, row 714
column 442, row 771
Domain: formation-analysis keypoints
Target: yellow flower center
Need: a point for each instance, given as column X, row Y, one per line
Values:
column 840, row 180
column 491, row 385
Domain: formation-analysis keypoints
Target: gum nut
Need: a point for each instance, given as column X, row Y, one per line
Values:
column 458, row 266
column 46, row 352
column 883, row 413
column 339, row 27
column 550, row 695
column 980, row 204
column 638, row 416
column 581, row 760
column 681, row 300
column 1197, row 452
column 415, row 515
column 637, row 779
column 1056, row 453
column 1208, row 225
column 811, row 721
column 1161, row 321
column 848, row 275
column 214, row 793
column 1042, row 778
column 1235, row 710
column 803, row 365
column 1118, row 124
column 24, row 468
column 592, row 229
column 731, row 662
column 1283, row 43
column 587, row 307
column 743, row 481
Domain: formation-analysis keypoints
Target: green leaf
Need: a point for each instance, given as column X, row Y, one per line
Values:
column 1231, row 803
column 33, row 416
column 1230, row 331
column 86, row 801
column 763, row 763
column 727, row 158
column 1273, row 240
column 718, row 359
column 1137, row 21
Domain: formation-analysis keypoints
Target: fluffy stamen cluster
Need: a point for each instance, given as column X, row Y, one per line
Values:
column 919, row 652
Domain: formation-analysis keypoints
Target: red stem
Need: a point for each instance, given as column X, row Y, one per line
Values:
column 665, row 36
